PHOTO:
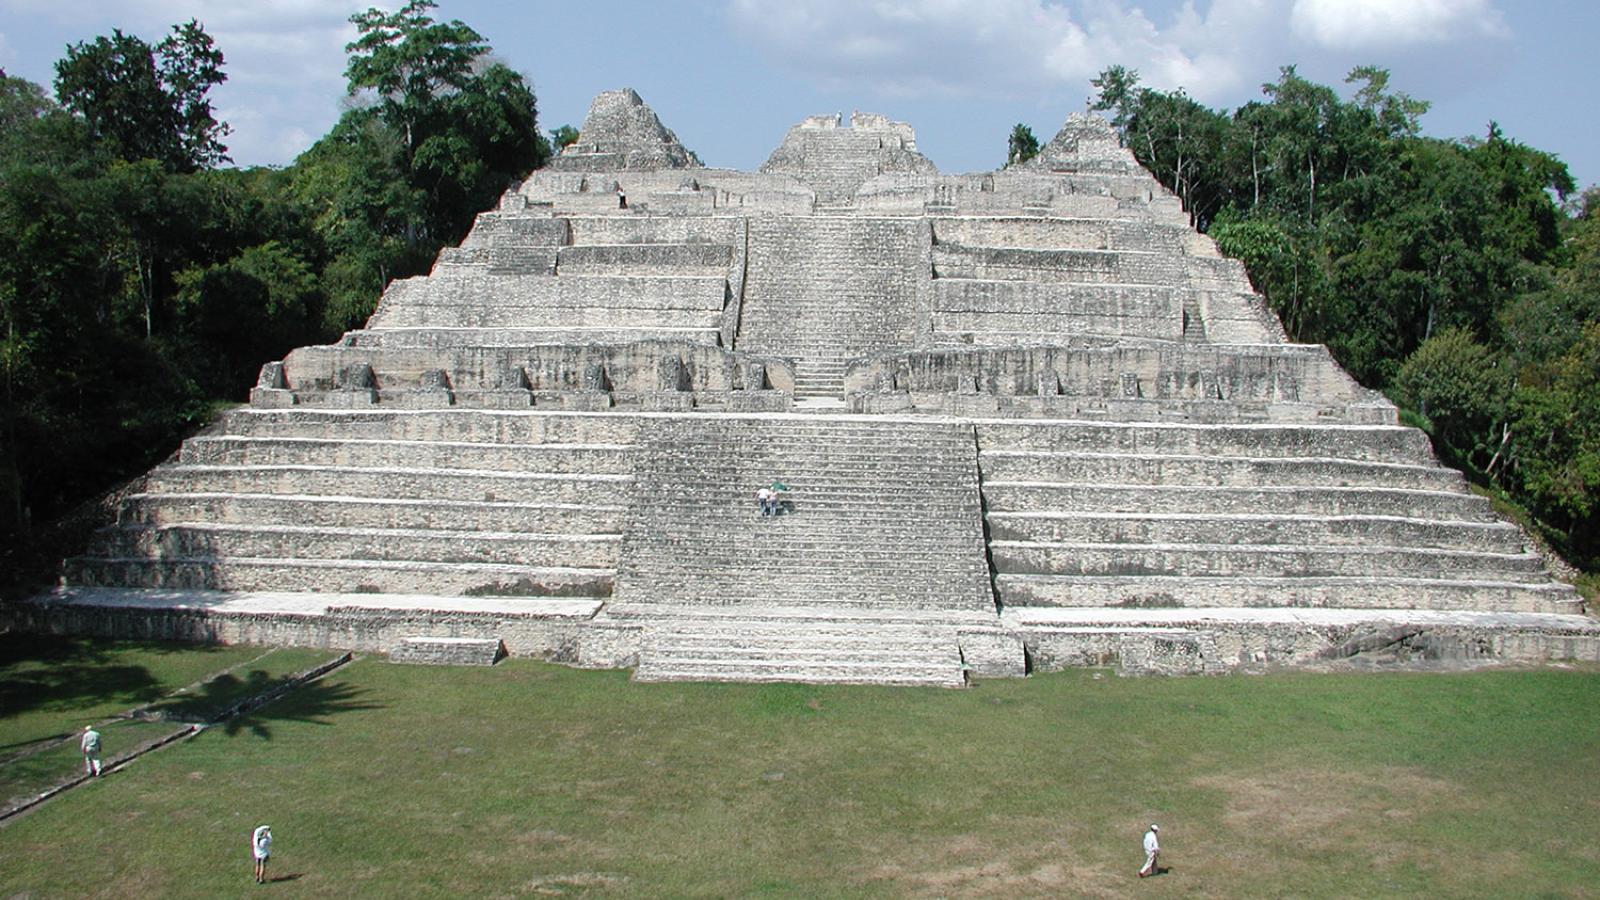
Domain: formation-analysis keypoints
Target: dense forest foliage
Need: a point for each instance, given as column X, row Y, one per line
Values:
column 1460, row 277
column 141, row 284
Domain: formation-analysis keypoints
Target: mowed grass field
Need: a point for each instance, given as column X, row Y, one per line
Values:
column 534, row 780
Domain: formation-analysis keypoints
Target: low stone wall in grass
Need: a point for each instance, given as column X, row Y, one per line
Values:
column 1213, row 648
column 552, row 637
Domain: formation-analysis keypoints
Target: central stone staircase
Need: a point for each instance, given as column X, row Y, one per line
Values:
column 823, row 290
column 880, row 529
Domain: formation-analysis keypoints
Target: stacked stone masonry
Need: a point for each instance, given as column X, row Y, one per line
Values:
column 1025, row 417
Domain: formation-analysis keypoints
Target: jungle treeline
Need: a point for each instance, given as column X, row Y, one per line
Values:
column 144, row 279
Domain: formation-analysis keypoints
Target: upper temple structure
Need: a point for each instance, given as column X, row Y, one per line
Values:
column 1020, row 419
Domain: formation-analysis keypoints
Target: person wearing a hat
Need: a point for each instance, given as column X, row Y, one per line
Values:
column 1152, row 849
column 261, row 848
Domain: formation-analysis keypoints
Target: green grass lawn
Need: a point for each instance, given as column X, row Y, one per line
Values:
column 51, row 687
column 535, row 780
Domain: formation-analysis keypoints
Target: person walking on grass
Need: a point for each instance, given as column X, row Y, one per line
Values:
column 90, row 744
column 261, row 848
column 1152, row 851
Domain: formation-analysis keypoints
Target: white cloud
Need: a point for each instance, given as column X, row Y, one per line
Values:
column 1218, row 51
column 1360, row 24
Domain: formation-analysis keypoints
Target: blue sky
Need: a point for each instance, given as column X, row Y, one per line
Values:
column 730, row 76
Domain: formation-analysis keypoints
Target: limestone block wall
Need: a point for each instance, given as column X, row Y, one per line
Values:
column 729, row 192
column 495, row 300
column 1070, row 266
column 839, row 287
column 1210, row 645
column 1000, row 313
column 1234, row 516
column 1053, row 233
column 1223, row 380
column 359, row 629
column 510, row 229
column 722, row 230
column 433, row 503
column 320, row 375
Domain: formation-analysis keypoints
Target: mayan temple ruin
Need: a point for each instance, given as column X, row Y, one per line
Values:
column 1026, row 419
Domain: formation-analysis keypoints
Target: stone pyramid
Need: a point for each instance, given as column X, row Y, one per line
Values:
column 1022, row 419
column 621, row 132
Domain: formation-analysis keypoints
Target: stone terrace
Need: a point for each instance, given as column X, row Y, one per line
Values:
column 1027, row 418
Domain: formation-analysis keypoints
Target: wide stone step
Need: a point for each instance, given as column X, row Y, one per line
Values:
column 800, row 520
column 460, row 426
column 396, row 483
column 805, row 585
column 1366, row 592
column 914, row 577
column 856, row 652
column 835, row 592
column 1083, row 468
column 223, row 542
column 569, row 291
column 448, row 651
column 807, row 509
column 783, row 618
column 610, row 459
column 1014, row 557
column 453, row 339
column 1134, row 528
column 341, row 576
column 1371, row 443
column 908, row 675
column 829, row 547
column 645, row 259
column 802, row 638
column 825, row 435
column 885, row 466
column 619, row 316
column 365, row 512
column 1330, row 501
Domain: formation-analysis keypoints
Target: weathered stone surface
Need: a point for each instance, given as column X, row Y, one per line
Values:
column 622, row 133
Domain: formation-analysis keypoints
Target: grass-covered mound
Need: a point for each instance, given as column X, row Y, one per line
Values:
column 528, row 780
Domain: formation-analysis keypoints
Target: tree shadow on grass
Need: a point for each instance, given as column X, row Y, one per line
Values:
column 314, row 703
column 41, row 671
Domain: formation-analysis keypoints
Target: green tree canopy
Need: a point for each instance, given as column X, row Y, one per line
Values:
column 148, row 103
column 1022, row 145
column 563, row 137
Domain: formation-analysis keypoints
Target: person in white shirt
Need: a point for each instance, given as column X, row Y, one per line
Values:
column 766, row 500
column 1152, row 850
column 261, row 848
column 90, row 745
